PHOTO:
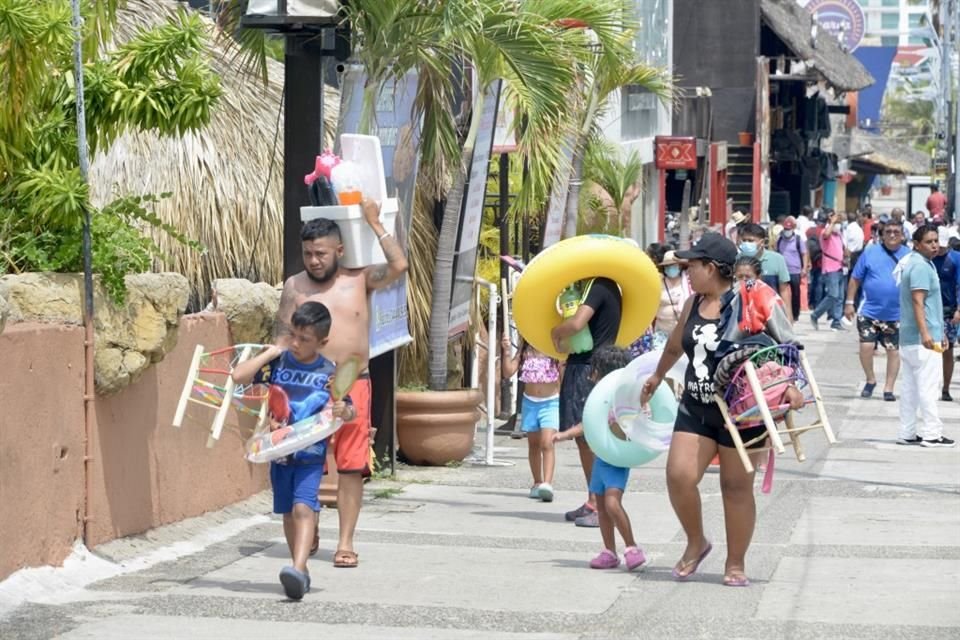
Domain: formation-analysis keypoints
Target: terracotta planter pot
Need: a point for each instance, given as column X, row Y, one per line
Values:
column 746, row 139
column 437, row 427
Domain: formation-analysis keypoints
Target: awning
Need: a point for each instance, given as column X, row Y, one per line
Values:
column 792, row 24
column 871, row 153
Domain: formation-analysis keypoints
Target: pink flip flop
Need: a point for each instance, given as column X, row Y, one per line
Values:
column 736, row 581
column 694, row 564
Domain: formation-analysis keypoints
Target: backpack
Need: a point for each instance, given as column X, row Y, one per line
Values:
column 813, row 248
column 796, row 239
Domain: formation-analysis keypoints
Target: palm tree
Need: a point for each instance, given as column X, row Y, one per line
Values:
column 619, row 180
column 614, row 65
column 525, row 42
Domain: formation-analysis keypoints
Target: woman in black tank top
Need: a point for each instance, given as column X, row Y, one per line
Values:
column 699, row 432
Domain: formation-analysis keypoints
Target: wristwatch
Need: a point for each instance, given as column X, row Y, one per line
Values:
column 848, row 302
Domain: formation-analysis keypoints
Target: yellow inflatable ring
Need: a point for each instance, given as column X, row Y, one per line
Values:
column 582, row 257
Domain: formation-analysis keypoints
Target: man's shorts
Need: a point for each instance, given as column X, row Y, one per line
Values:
column 606, row 476
column 295, row 483
column 884, row 332
column 540, row 413
column 351, row 442
column 950, row 330
column 574, row 389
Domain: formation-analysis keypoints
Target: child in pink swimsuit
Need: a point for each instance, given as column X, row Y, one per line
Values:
column 540, row 375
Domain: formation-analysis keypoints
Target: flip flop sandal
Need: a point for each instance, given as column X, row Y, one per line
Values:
column 889, row 397
column 868, row 389
column 693, row 565
column 295, row 584
column 346, row 559
column 736, row 580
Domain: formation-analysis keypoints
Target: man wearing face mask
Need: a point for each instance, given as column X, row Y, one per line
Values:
column 774, row 273
column 794, row 252
column 831, row 247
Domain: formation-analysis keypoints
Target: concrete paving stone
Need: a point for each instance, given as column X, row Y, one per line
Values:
column 497, row 511
column 858, row 591
column 412, row 575
column 837, row 521
column 146, row 627
column 932, row 469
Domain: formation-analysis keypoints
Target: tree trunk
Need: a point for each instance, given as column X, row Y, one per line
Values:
column 572, row 211
column 446, row 249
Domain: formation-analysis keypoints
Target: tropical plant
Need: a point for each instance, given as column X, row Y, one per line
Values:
column 614, row 185
column 157, row 81
column 909, row 119
column 613, row 65
column 558, row 78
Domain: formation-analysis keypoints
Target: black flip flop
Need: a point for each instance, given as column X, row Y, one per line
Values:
column 889, row 397
column 868, row 389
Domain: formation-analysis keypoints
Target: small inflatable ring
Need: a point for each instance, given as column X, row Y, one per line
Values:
column 580, row 258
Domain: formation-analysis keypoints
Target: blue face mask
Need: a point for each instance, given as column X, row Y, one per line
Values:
column 671, row 271
column 749, row 248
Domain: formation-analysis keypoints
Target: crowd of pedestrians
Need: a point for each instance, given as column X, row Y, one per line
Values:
column 893, row 278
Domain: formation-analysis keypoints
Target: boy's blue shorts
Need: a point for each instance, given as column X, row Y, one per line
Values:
column 293, row 483
column 606, row 476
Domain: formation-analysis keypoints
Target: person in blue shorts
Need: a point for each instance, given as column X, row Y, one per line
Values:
column 947, row 264
column 608, row 482
column 540, row 375
column 305, row 377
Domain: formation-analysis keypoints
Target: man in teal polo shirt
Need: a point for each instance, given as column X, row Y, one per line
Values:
column 878, row 318
column 774, row 268
column 921, row 342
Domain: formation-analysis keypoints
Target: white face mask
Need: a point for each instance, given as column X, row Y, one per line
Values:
column 788, row 233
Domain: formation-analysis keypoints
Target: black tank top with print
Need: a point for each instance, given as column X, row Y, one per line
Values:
column 701, row 337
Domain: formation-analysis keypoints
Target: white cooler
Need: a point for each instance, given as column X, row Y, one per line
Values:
column 361, row 248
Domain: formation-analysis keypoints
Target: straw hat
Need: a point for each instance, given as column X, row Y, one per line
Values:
column 670, row 257
column 738, row 217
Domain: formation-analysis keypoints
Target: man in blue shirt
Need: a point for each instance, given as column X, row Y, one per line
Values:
column 947, row 263
column 921, row 341
column 878, row 318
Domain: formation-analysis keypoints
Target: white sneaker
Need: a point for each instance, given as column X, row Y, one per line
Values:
column 545, row 492
column 939, row 442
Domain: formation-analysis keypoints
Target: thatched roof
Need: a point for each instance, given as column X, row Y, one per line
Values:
column 791, row 23
column 872, row 153
column 217, row 176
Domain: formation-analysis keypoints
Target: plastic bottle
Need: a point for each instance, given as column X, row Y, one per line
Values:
column 581, row 341
column 346, row 181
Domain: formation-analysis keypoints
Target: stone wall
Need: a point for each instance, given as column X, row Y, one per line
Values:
column 129, row 337
column 41, row 443
column 141, row 331
column 144, row 472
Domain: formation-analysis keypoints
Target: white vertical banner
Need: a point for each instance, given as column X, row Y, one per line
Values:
column 465, row 262
column 553, row 226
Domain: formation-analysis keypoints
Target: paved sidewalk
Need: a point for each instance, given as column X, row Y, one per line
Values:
column 861, row 541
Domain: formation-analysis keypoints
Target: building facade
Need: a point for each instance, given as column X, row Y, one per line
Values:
column 635, row 117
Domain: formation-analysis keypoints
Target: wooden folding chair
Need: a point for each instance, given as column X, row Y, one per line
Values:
column 220, row 396
column 745, row 402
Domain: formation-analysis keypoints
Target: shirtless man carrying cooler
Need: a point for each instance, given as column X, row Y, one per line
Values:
column 345, row 293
